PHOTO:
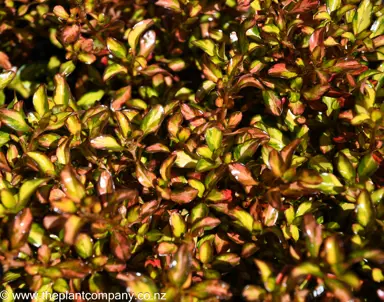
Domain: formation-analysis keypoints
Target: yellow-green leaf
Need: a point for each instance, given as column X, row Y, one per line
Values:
column 106, row 142
column 14, row 120
column 62, row 93
column 27, row 189
column 116, row 48
column 137, row 31
column 362, row 18
column 43, row 162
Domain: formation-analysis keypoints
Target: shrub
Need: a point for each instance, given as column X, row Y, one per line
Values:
column 209, row 150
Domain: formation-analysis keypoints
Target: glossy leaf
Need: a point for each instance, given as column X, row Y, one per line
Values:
column 14, row 120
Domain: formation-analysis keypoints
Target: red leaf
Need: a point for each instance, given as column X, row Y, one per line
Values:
column 185, row 195
column 71, row 33
column 304, row 6
column 120, row 246
column 242, row 174
column 20, row 228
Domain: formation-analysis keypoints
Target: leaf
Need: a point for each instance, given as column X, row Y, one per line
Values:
column 266, row 274
column 106, row 142
column 70, row 33
column 242, row 218
column 145, row 177
column 206, row 223
column 84, row 246
column 14, row 120
column 276, row 163
column 242, row 174
column 330, row 185
column 169, row 4
column 316, row 92
column 304, row 6
column 117, row 48
column 72, row 187
column 7, row 199
column 204, row 90
column 137, row 31
column 6, row 78
column 345, row 168
column 40, row 100
column 179, row 271
column 368, row 165
column 178, row 225
column 281, row 70
column 4, row 138
column 62, row 93
column 246, row 150
column 333, row 5
column 362, row 18
column 152, row 121
column 272, row 102
column 210, row 289
column 364, row 209
column 165, row 169
column 20, row 228
column 112, row 70
column 185, row 195
column 313, row 233
column 27, row 189
column 43, row 162
column 140, row 284
column 207, row 45
column 213, row 136
column 120, row 246
column 71, row 228
column 90, row 98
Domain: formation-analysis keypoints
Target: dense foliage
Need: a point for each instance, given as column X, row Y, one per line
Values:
column 210, row 150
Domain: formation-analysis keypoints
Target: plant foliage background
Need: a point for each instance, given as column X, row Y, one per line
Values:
column 211, row 150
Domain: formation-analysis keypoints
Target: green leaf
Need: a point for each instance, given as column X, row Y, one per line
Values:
column 90, row 98
column 330, row 184
column 272, row 102
column 242, row 218
column 62, row 93
column 4, row 138
column 6, row 78
column 198, row 186
column 43, row 162
column 27, row 189
column 368, row 165
column 40, row 100
column 178, row 225
column 137, row 31
column 112, row 70
column 345, row 168
column 207, row 45
column 83, row 246
column 152, row 121
column 333, row 5
column 320, row 163
column 14, row 120
column 364, row 209
column 362, row 18
column 106, row 142
column 7, row 199
column 213, row 136
column 116, row 48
